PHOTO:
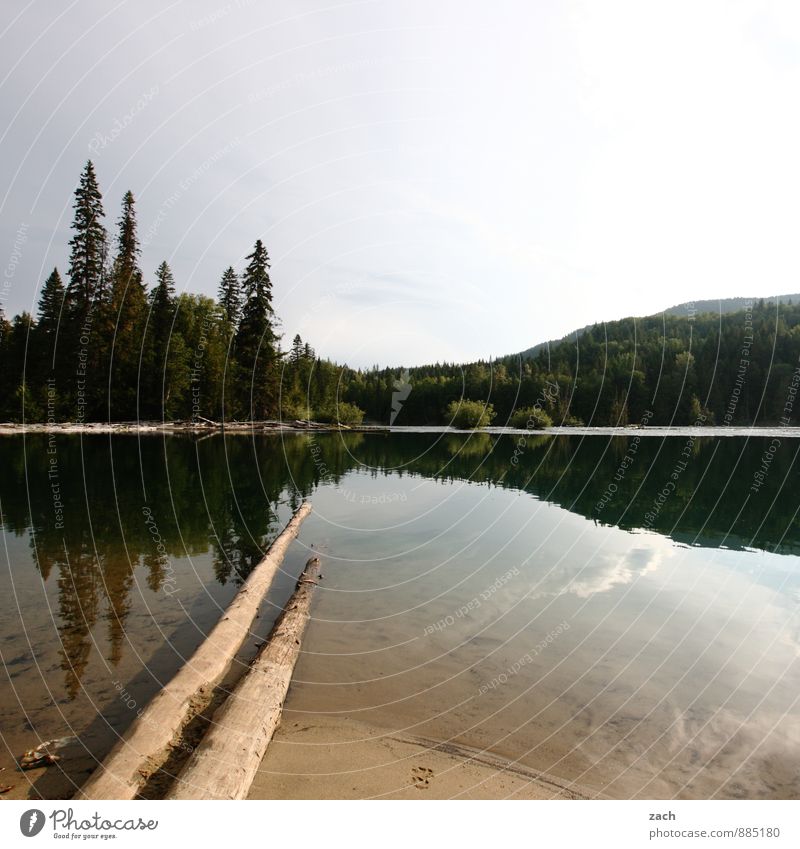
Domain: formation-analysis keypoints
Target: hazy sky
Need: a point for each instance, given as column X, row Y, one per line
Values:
column 433, row 179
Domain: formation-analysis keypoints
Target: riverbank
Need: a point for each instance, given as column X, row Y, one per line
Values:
column 190, row 427
column 202, row 428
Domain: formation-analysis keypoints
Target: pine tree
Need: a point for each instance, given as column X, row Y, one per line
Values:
column 124, row 318
column 256, row 341
column 88, row 245
column 162, row 302
column 51, row 305
column 44, row 364
column 23, row 402
column 126, row 263
column 84, row 348
column 165, row 347
column 297, row 352
column 230, row 296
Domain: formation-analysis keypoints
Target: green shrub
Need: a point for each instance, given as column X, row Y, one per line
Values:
column 469, row 414
column 291, row 410
column 349, row 413
column 531, row 418
column 341, row 413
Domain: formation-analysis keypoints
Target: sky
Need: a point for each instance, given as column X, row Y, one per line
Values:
column 434, row 180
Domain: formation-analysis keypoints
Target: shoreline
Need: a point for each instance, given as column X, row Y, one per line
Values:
column 178, row 427
column 277, row 427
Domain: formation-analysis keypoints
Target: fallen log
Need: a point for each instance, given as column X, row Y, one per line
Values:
column 225, row 763
column 147, row 743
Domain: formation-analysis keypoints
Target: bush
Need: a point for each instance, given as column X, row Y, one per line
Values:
column 469, row 414
column 570, row 421
column 532, row 418
column 349, row 414
column 292, row 410
column 341, row 413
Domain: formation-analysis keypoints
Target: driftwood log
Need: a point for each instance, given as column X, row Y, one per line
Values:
column 225, row 763
column 147, row 743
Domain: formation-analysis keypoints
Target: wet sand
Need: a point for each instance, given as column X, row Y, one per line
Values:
column 321, row 757
column 663, row 685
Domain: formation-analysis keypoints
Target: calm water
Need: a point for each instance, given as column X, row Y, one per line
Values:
column 620, row 612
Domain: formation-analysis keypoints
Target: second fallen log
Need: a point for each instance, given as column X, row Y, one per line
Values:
column 147, row 743
column 226, row 761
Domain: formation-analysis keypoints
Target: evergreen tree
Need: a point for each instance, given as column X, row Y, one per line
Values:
column 19, row 401
column 162, row 312
column 124, row 318
column 162, row 302
column 44, row 364
column 256, row 341
column 84, row 347
column 297, row 352
column 293, row 404
column 50, row 307
column 127, row 273
column 88, row 245
column 230, row 302
column 230, row 296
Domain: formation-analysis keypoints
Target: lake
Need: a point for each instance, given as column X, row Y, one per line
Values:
column 617, row 611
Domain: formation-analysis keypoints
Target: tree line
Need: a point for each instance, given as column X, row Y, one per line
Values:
column 742, row 368
column 103, row 346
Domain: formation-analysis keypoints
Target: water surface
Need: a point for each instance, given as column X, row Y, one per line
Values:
column 618, row 611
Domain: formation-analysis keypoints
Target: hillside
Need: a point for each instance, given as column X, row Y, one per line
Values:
column 728, row 368
column 719, row 306
column 727, row 305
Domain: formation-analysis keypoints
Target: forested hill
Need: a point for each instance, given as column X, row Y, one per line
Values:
column 718, row 306
column 731, row 368
column 737, row 368
column 106, row 344
column 722, row 306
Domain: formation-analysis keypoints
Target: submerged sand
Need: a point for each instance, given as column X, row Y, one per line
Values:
column 321, row 757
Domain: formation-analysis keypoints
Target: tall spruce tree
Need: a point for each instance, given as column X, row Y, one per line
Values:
column 162, row 314
column 84, row 345
column 256, row 341
column 51, row 306
column 296, row 354
column 162, row 303
column 230, row 296
column 126, row 269
column 125, row 316
column 88, row 245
